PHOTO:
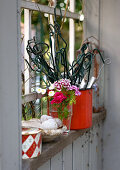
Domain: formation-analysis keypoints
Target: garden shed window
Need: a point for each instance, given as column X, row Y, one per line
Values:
column 35, row 18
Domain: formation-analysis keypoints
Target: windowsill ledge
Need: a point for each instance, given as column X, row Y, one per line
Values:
column 51, row 149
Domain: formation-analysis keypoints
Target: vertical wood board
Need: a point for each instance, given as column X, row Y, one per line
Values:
column 0, row 163
column 92, row 28
column 46, row 166
column 93, row 159
column 10, row 89
column 56, row 162
column 67, row 158
column 78, row 154
column 100, row 145
column 85, row 152
column 91, row 18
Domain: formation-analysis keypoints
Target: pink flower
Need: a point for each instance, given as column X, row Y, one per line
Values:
column 62, row 83
column 58, row 98
column 77, row 93
column 73, row 87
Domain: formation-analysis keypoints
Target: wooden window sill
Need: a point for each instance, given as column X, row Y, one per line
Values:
column 51, row 149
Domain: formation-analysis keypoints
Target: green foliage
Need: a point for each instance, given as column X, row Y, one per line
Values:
column 78, row 5
column 72, row 98
column 43, row 2
column 22, row 16
column 63, row 108
column 66, row 112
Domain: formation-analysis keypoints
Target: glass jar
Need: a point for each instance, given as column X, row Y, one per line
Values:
column 66, row 120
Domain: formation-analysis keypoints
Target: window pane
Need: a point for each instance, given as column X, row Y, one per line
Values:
column 78, row 35
column 78, row 5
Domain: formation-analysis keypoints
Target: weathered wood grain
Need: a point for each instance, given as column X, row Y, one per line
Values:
column 93, row 149
column 46, row 166
column 78, row 153
column 46, row 9
column 86, row 152
column 100, row 145
column 56, row 162
column 67, row 157
column 31, row 97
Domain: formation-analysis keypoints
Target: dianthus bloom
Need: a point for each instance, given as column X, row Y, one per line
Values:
column 58, row 98
column 62, row 83
column 77, row 92
column 73, row 87
column 65, row 83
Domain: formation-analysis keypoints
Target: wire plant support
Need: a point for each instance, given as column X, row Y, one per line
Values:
column 58, row 66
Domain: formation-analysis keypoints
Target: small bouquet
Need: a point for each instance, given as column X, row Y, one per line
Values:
column 61, row 95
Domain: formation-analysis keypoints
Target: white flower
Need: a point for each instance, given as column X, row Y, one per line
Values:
column 43, row 91
column 32, row 89
column 40, row 90
column 82, row 17
column 51, row 93
column 51, row 87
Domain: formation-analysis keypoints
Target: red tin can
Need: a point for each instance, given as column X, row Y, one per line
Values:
column 82, row 111
column 31, row 142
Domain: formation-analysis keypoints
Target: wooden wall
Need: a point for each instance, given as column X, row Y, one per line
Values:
column 102, row 20
column 85, row 153
column 10, row 92
column 110, row 42
column 92, row 23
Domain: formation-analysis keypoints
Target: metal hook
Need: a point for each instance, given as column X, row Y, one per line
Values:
column 107, row 61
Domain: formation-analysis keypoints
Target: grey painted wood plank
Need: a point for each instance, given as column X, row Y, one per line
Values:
column 78, row 154
column 0, row 146
column 47, row 9
column 100, row 140
column 46, row 166
column 110, row 41
column 10, row 89
column 92, row 18
column 93, row 159
column 95, row 143
column 31, row 97
column 0, row 164
column 86, row 152
column 67, row 158
column 90, row 150
column 101, row 87
column 92, row 28
column 56, row 162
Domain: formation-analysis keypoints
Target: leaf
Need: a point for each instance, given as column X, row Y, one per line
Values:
column 66, row 112
column 26, row 109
